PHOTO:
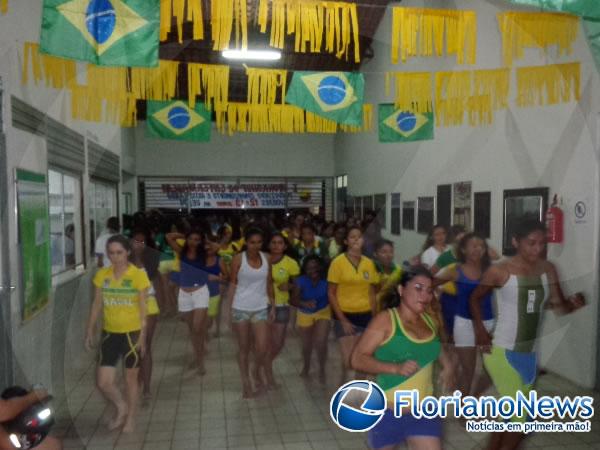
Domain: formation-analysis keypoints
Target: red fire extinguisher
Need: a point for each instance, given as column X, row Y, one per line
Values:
column 554, row 223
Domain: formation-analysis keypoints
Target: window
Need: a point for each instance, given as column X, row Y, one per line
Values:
column 408, row 215
column 483, row 211
column 444, row 204
column 367, row 205
column 425, row 214
column 66, row 242
column 102, row 198
column 396, row 208
column 380, row 209
column 341, row 187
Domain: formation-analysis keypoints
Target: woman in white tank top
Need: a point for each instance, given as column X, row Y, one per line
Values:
column 250, row 293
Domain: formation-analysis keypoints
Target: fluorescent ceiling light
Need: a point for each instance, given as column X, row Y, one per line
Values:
column 265, row 55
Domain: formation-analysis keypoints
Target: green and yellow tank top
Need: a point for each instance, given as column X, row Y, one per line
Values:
column 399, row 348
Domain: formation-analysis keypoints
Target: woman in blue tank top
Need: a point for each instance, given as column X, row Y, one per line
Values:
column 473, row 261
column 193, row 289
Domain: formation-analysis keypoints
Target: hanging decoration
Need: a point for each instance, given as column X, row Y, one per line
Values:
column 160, row 83
column 312, row 22
column 423, row 32
column 177, row 121
column 276, row 118
column 182, row 11
column 210, row 79
column 397, row 125
column 452, row 90
column 588, row 10
column 490, row 93
column 548, row 85
column 107, row 33
column 225, row 15
column 3, row 6
column 58, row 73
column 337, row 96
column 264, row 84
column 541, row 30
column 412, row 91
column 118, row 109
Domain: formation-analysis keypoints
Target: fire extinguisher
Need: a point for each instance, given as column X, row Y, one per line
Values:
column 554, row 223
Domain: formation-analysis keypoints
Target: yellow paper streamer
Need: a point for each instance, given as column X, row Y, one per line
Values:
column 367, row 121
column 452, row 92
column 263, row 85
column 413, row 91
column 85, row 105
column 225, row 16
column 312, row 22
column 490, row 93
column 423, row 31
column 541, row 30
column 58, row 73
column 210, row 79
column 3, row 6
column 548, row 85
column 176, row 9
column 155, row 83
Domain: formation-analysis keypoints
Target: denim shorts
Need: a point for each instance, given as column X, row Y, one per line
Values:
column 239, row 315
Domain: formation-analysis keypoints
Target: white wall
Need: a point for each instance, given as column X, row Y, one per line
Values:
column 56, row 330
column 243, row 154
column 548, row 146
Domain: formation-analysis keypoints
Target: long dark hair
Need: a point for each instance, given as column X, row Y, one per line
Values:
column 288, row 250
column 200, row 253
column 119, row 239
column 150, row 255
column 462, row 245
column 429, row 241
column 316, row 258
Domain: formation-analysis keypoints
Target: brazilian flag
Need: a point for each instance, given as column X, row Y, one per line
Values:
column 103, row 32
column 337, row 96
column 176, row 120
column 403, row 126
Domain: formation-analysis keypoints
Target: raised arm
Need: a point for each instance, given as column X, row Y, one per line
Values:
column 172, row 241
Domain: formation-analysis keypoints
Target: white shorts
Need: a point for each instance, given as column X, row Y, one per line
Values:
column 464, row 333
column 188, row 301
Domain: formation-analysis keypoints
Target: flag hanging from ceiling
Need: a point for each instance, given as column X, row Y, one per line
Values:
column 402, row 126
column 103, row 32
column 337, row 96
column 176, row 120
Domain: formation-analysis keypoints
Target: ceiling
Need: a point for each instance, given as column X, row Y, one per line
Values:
column 369, row 14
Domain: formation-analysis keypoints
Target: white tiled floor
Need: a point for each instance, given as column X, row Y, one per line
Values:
column 189, row 412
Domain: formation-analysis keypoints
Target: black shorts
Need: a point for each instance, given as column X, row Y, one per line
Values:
column 115, row 346
column 282, row 314
column 358, row 320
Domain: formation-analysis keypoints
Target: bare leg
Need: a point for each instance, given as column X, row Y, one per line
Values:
column 424, row 443
column 197, row 324
column 146, row 363
column 467, row 358
column 306, row 336
column 242, row 332
column 320, row 336
column 260, row 331
column 346, row 344
column 106, row 381
column 278, row 332
column 131, row 380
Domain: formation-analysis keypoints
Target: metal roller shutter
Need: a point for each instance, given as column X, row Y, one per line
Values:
column 65, row 146
column 27, row 118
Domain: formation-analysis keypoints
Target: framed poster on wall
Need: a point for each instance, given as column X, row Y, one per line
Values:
column 34, row 241
column 521, row 204
column 444, row 205
column 462, row 204
column 425, row 214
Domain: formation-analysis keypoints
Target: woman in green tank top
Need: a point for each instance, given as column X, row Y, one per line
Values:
column 400, row 346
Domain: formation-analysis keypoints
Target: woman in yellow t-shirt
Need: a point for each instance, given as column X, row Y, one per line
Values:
column 352, row 279
column 284, row 270
column 121, row 292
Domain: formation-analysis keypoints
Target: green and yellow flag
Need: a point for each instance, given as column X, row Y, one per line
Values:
column 176, row 120
column 337, row 96
column 402, row 126
column 103, row 32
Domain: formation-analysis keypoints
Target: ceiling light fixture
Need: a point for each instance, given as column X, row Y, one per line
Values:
column 264, row 55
